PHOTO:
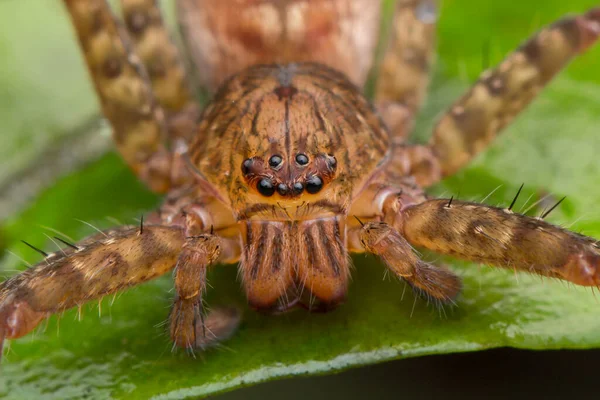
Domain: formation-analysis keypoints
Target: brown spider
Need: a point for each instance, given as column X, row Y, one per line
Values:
column 290, row 168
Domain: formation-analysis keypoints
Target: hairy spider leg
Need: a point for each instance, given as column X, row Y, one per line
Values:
column 498, row 96
column 124, row 89
column 100, row 265
column 403, row 74
column 187, row 316
column 502, row 238
column 115, row 260
column 433, row 282
column 164, row 65
column 158, row 53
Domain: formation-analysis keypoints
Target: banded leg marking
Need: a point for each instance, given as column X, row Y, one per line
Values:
column 158, row 53
column 502, row 238
column 503, row 92
column 124, row 89
column 404, row 71
column 100, row 265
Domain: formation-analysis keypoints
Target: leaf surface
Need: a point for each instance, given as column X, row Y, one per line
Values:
column 122, row 350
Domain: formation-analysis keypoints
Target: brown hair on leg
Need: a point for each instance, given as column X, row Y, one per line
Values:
column 164, row 64
column 151, row 41
column 502, row 238
column 198, row 253
column 102, row 264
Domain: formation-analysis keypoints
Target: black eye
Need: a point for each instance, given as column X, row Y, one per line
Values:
column 275, row 161
column 301, row 159
column 265, row 187
column 246, row 166
column 314, row 184
column 298, row 188
column 282, row 189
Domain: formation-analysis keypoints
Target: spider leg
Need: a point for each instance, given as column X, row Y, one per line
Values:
column 188, row 329
column 190, row 326
column 124, row 89
column 158, row 53
column 416, row 161
column 100, row 265
column 501, row 93
column 164, row 65
column 501, row 238
column 431, row 281
column 404, row 71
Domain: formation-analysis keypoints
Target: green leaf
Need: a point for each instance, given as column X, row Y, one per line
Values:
column 125, row 352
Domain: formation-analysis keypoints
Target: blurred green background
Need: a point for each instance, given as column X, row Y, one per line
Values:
column 55, row 169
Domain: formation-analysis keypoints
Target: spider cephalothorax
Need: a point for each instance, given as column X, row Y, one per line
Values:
column 279, row 129
column 289, row 168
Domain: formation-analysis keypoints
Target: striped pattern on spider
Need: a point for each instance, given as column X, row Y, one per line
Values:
column 289, row 168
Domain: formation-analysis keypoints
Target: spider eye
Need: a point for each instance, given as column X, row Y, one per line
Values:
column 282, row 189
column 301, row 159
column 266, row 187
column 314, row 184
column 275, row 161
column 246, row 166
column 298, row 188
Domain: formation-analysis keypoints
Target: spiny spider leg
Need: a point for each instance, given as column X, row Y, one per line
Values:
column 501, row 238
column 404, row 71
column 138, row 121
column 164, row 64
column 100, row 265
column 499, row 95
column 433, row 282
